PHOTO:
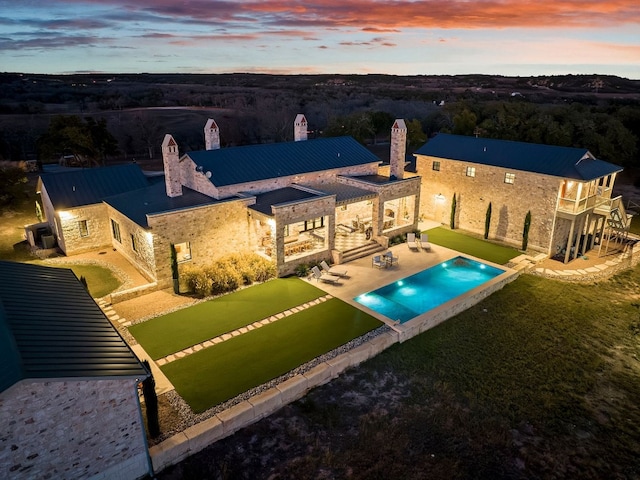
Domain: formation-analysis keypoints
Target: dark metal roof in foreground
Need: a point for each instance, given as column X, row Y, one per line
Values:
column 264, row 201
column 138, row 203
column 50, row 327
column 86, row 186
column 251, row 163
column 565, row 162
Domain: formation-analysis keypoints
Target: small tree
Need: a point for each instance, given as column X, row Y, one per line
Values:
column 174, row 269
column 487, row 222
column 151, row 402
column 452, row 222
column 525, row 231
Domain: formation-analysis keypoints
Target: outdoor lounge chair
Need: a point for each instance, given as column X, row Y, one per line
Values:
column 339, row 272
column 324, row 277
column 390, row 258
column 424, row 241
column 412, row 243
column 379, row 262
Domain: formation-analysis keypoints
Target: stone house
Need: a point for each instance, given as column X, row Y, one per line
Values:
column 69, row 405
column 567, row 190
column 292, row 202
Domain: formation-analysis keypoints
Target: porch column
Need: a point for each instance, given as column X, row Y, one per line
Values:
column 567, row 252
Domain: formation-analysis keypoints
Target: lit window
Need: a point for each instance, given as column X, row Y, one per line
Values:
column 509, row 177
column 471, row 171
column 183, row 251
column 84, row 228
column 436, row 166
column 115, row 230
column 134, row 243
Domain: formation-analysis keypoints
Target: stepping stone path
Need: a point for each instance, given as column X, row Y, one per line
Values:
column 115, row 318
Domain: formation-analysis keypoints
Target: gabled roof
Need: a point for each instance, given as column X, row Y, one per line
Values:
column 565, row 162
column 237, row 165
column 87, row 186
column 50, row 327
column 137, row 204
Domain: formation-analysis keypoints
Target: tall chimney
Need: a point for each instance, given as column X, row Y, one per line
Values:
column 300, row 128
column 398, row 149
column 170, row 158
column 211, row 135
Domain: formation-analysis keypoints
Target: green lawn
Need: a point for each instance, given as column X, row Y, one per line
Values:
column 100, row 280
column 221, row 372
column 471, row 245
column 176, row 331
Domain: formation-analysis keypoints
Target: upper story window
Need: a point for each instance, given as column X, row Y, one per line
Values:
column 435, row 166
column 471, row 171
column 509, row 177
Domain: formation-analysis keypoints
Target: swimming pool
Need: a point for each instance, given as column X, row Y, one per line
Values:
column 411, row 296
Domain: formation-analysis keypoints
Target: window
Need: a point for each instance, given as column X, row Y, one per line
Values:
column 509, row 177
column 435, row 166
column 183, row 251
column 84, row 228
column 471, row 171
column 315, row 223
column 134, row 243
column 115, row 230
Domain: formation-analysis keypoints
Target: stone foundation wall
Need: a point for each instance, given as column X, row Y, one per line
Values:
column 509, row 202
column 71, row 429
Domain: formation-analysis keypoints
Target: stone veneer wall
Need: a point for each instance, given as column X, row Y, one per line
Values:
column 98, row 226
column 509, row 202
column 72, row 429
column 213, row 231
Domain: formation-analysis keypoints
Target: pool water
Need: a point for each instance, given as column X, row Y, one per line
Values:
column 411, row 296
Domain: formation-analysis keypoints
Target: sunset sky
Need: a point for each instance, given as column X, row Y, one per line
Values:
column 431, row 37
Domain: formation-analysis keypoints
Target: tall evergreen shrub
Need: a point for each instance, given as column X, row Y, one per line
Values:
column 487, row 222
column 151, row 402
column 525, row 231
column 452, row 222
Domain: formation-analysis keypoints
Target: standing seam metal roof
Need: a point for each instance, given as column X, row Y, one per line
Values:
column 237, row 165
column 565, row 162
column 87, row 186
column 50, row 327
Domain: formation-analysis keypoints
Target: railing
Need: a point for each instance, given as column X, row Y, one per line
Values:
column 571, row 205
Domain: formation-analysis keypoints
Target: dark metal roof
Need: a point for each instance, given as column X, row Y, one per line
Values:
column 264, row 201
column 86, row 186
column 376, row 179
column 565, row 162
column 236, row 165
column 344, row 193
column 153, row 199
column 50, row 327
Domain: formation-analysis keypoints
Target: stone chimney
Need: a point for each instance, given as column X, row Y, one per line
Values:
column 398, row 149
column 211, row 135
column 170, row 158
column 300, row 128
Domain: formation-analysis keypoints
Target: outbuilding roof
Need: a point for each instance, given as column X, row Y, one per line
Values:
column 565, row 162
column 251, row 163
column 281, row 196
column 50, row 327
column 87, row 186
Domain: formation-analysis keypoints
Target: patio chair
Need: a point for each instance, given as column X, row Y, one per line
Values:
column 412, row 243
column 424, row 242
column 390, row 258
column 337, row 271
column 379, row 262
column 324, row 277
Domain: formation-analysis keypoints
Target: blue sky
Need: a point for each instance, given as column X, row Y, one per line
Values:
column 323, row 36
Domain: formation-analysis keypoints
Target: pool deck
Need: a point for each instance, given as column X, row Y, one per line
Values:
column 363, row 277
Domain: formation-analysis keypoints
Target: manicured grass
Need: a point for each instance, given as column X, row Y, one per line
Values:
column 211, row 376
column 100, row 280
column 471, row 245
column 178, row 330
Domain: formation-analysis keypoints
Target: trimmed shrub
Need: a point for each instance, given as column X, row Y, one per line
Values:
column 197, row 280
column 525, row 230
column 224, row 277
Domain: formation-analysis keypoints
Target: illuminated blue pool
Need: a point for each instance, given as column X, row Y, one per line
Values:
column 411, row 296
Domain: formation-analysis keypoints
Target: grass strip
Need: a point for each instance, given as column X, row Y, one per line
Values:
column 100, row 280
column 472, row 246
column 216, row 374
column 178, row 330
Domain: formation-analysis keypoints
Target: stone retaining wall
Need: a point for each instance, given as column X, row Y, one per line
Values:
column 135, row 292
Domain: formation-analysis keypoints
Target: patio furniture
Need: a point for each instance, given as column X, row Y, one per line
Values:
column 337, row 271
column 424, row 242
column 324, row 277
column 412, row 243
column 390, row 258
column 379, row 262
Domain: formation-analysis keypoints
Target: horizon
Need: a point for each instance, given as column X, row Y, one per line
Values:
column 507, row 38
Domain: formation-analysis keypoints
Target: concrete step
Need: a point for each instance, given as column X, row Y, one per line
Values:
column 361, row 251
